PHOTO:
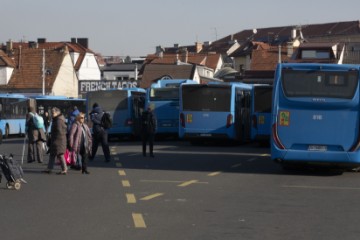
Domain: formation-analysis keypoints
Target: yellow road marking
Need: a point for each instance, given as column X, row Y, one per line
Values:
column 213, row 174
column 130, row 198
column 251, row 159
column 138, row 220
column 125, row 183
column 168, row 181
column 187, row 183
column 265, row 155
column 151, row 196
column 236, row 165
column 122, row 173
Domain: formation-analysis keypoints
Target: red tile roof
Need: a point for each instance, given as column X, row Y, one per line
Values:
column 28, row 68
column 153, row 72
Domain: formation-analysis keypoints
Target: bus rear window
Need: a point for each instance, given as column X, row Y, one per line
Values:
column 204, row 98
column 163, row 94
column 110, row 99
column 332, row 84
column 263, row 99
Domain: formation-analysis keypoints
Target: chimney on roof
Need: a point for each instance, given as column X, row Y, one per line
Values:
column 159, row 51
column 207, row 43
column 83, row 42
column 41, row 40
column 9, row 46
column 176, row 45
column 184, row 55
column 33, row 44
column 73, row 40
column 198, row 47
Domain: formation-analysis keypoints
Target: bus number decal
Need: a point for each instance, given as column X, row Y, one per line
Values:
column 189, row 118
column 284, row 118
column 261, row 119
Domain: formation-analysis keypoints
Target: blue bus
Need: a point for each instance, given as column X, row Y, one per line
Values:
column 13, row 110
column 44, row 103
column 125, row 107
column 315, row 115
column 215, row 111
column 163, row 98
column 261, row 101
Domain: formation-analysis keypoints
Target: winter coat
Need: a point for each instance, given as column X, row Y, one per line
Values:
column 95, row 116
column 75, row 137
column 148, row 123
column 58, row 135
column 32, row 132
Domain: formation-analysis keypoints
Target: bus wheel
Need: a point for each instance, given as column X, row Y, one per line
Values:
column 1, row 136
column 7, row 131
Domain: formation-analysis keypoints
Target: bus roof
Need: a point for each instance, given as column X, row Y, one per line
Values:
column 226, row 84
column 314, row 66
column 171, row 83
column 11, row 95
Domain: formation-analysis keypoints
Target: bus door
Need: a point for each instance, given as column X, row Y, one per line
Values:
column 246, row 116
column 239, row 95
column 138, row 104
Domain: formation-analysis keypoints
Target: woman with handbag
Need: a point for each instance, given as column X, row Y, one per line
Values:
column 80, row 141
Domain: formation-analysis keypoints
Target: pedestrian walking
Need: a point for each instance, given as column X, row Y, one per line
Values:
column 36, row 138
column 80, row 141
column 148, row 130
column 100, row 133
column 47, row 120
column 58, row 141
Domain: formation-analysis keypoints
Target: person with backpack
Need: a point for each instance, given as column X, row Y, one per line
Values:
column 34, row 129
column 100, row 133
column 72, row 117
column 148, row 130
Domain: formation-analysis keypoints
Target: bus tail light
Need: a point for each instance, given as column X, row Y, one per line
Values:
column 128, row 122
column 182, row 119
column 276, row 137
column 254, row 121
column 356, row 145
column 229, row 120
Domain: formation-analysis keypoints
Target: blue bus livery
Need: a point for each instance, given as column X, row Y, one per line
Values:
column 163, row 98
column 13, row 110
column 315, row 115
column 125, row 107
column 215, row 111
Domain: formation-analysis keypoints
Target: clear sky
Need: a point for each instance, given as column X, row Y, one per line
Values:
column 135, row 27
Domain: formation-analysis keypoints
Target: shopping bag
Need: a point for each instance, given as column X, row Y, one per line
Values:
column 69, row 157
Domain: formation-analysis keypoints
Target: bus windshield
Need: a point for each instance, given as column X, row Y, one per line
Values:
column 206, row 98
column 110, row 100
column 332, row 84
column 163, row 94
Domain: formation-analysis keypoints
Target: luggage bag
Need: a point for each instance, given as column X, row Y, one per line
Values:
column 12, row 171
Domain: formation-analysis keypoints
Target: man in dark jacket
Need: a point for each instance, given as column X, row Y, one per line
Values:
column 148, row 130
column 100, row 133
column 36, row 138
column 58, row 141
